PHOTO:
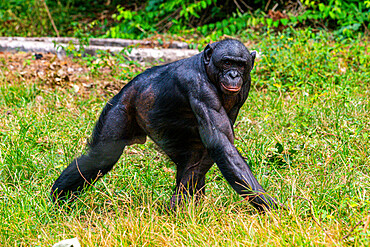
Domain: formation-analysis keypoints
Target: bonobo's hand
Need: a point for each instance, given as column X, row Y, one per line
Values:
column 263, row 203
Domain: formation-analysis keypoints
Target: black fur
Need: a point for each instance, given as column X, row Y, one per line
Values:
column 188, row 108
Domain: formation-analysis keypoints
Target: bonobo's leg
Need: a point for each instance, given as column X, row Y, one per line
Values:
column 86, row 169
column 190, row 177
column 114, row 130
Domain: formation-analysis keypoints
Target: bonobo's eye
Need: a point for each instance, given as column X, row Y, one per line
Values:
column 227, row 64
column 241, row 65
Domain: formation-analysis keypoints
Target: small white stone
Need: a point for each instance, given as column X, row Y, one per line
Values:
column 73, row 242
column 76, row 88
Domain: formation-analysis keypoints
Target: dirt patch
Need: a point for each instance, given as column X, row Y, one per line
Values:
column 48, row 71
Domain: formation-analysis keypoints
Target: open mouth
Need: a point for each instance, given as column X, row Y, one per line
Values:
column 231, row 89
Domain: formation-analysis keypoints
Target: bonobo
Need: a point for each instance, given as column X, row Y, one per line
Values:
column 188, row 109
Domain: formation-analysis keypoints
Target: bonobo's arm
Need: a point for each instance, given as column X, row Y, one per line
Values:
column 217, row 136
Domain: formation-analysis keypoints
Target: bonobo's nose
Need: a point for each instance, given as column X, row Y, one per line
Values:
column 233, row 74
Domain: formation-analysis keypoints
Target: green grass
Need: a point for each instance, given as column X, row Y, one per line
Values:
column 308, row 144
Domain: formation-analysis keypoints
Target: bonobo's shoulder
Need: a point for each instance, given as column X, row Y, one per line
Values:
column 189, row 71
column 181, row 72
column 184, row 68
column 190, row 63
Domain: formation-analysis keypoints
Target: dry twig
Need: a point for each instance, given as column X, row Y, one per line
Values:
column 51, row 18
column 247, row 6
column 91, row 184
column 240, row 8
column 352, row 229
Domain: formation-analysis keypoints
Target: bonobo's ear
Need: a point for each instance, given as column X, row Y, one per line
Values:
column 253, row 54
column 208, row 53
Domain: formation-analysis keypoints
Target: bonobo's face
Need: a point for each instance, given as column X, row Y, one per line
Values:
column 228, row 64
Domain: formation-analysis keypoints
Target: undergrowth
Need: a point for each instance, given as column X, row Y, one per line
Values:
column 210, row 19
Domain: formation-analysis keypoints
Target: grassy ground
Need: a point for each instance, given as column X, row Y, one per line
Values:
column 304, row 129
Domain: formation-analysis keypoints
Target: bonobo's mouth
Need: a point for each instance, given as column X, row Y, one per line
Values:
column 231, row 89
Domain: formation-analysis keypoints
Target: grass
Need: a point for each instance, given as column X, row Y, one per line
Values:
column 307, row 143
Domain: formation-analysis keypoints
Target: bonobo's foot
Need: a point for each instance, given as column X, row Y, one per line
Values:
column 179, row 199
column 176, row 200
column 61, row 197
column 66, row 194
column 55, row 195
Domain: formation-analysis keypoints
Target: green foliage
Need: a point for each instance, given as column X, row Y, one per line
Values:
column 302, row 59
column 346, row 17
column 30, row 17
column 210, row 19
column 158, row 16
column 16, row 16
column 230, row 26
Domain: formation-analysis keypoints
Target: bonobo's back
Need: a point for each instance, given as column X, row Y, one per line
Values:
column 164, row 75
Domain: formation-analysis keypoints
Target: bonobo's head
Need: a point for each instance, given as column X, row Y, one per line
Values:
column 228, row 64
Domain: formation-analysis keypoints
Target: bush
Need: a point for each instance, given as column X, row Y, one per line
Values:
column 215, row 19
column 208, row 19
